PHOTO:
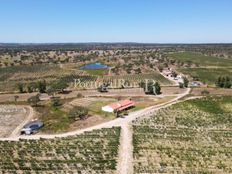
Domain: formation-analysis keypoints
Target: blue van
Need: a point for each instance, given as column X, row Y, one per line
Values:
column 31, row 127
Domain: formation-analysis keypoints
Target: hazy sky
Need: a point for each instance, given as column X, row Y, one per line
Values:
column 153, row 21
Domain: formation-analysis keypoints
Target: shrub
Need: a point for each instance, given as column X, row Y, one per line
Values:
column 223, row 82
column 205, row 92
column 78, row 112
column 34, row 100
column 55, row 101
column 20, row 87
column 79, row 95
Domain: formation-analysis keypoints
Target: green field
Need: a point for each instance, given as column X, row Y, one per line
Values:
column 25, row 74
column 98, row 72
column 189, row 137
column 55, row 119
column 201, row 59
column 137, row 78
column 207, row 75
column 209, row 68
column 11, row 76
column 91, row 152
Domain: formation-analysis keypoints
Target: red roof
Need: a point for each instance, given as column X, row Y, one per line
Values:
column 122, row 104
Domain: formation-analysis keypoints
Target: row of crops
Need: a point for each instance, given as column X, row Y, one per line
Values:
column 87, row 81
column 190, row 137
column 11, row 76
column 91, row 152
column 136, row 79
column 36, row 70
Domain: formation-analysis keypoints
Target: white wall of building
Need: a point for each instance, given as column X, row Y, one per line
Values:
column 107, row 109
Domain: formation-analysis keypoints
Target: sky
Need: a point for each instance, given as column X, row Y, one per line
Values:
column 144, row 21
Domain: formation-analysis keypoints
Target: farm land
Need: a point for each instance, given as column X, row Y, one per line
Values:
column 201, row 67
column 24, row 64
column 191, row 135
column 91, row 152
column 27, row 65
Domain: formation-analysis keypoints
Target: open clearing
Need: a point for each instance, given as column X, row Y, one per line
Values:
column 212, row 91
column 97, row 116
column 130, row 92
column 10, row 117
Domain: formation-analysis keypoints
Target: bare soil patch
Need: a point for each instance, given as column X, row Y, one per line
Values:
column 90, row 121
column 10, row 117
column 212, row 91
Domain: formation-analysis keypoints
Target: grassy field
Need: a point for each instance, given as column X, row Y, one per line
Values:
column 54, row 119
column 99, row 72
column 207, row 75
column 25, row 74
column 137, row 78
column 201, row 59
column 29, row 72
column 91, row 152
column 11, row 76
column 209, row 68
column 189, row 137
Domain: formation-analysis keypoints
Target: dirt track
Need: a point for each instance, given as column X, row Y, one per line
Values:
column 167, row 90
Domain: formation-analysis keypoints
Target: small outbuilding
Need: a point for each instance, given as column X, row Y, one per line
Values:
column 119, row 106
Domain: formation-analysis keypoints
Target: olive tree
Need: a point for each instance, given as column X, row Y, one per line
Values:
column 78, row 112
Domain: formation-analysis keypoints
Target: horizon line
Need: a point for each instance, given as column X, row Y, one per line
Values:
column 124, row 42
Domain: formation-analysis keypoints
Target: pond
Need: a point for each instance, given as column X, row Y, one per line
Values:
column 94, row 66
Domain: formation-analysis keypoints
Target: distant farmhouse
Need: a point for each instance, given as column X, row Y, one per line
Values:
column 119, row 106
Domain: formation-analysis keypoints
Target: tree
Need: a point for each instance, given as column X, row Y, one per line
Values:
column 186, row 82
column 151, row 88
column 31, row 87
column 157, row 89
column 34, row 100
column 78, row 112
column 55, row 101
column 79, row 95
column 51, row 91
column 227, row 83
column 174, row 74
column 205, row 92
column 42, row 86
column 59, row 86
column 20, row 87
column 181, row 85
column 160, row 68
column 223, row 82
column 219, row 82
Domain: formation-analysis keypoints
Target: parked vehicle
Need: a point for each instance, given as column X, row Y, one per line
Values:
column 31, row 127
